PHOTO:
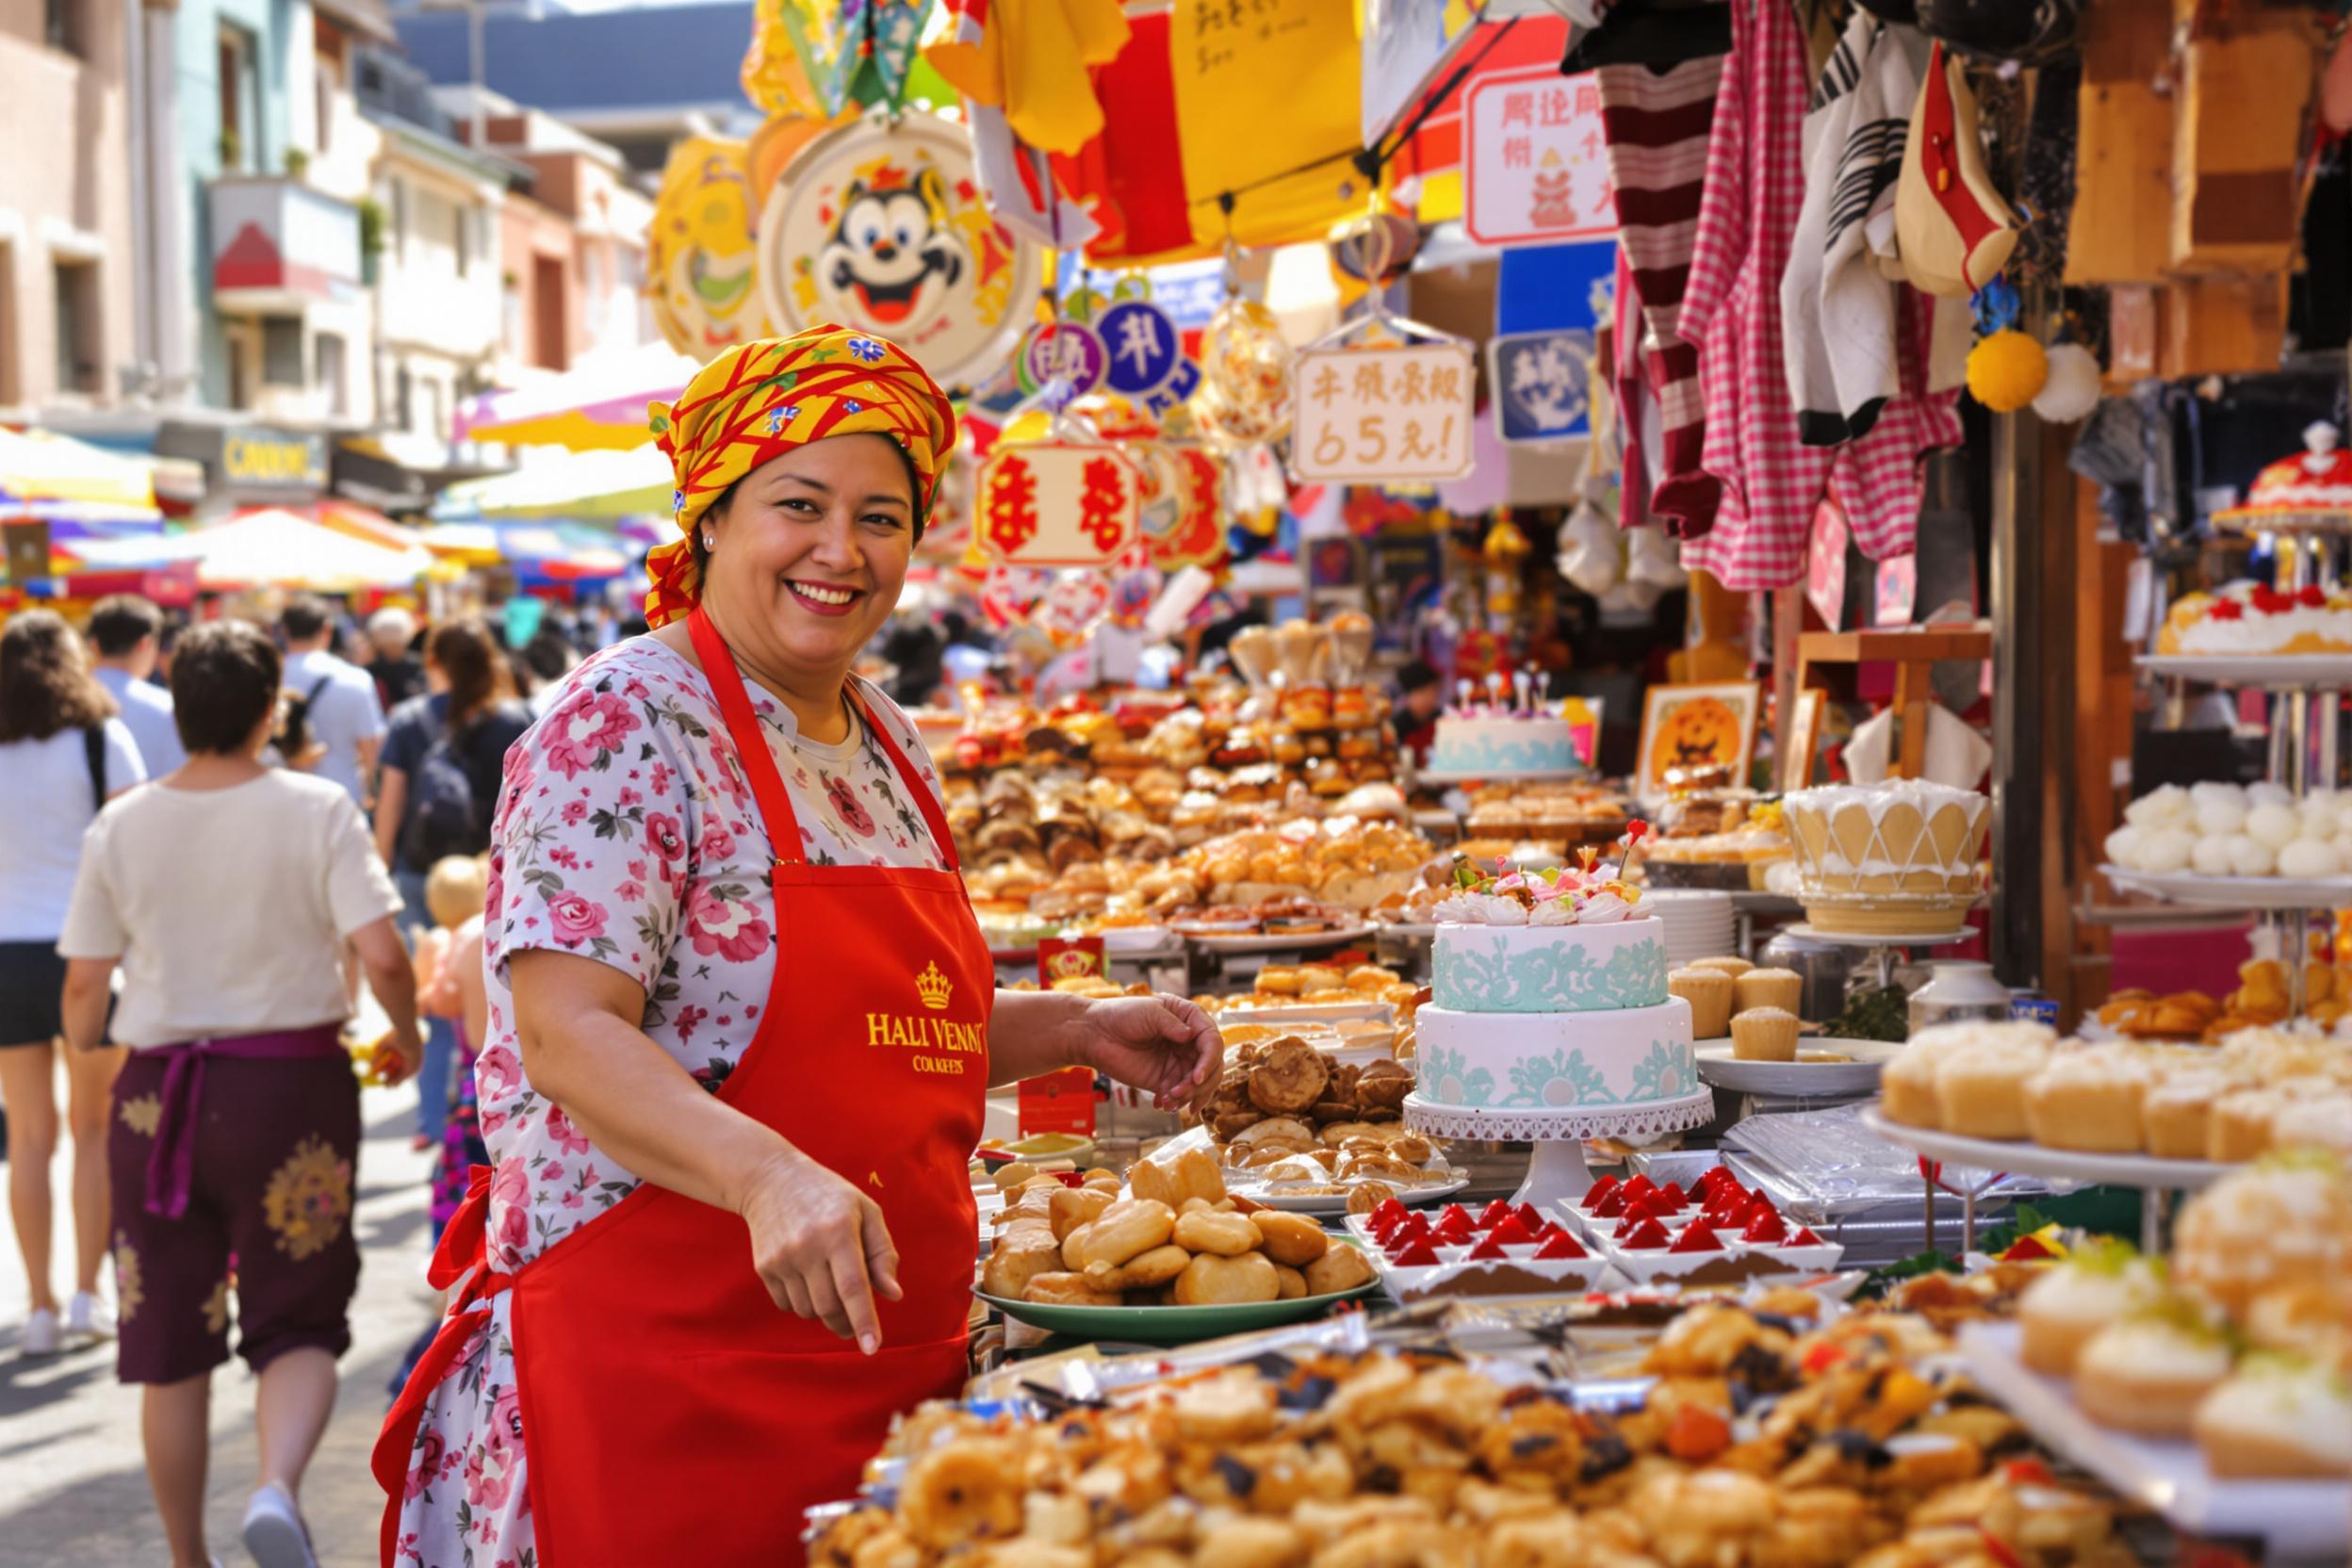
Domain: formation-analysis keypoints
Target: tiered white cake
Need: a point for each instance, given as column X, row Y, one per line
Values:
column 1498, row 743
column 1553, row 1016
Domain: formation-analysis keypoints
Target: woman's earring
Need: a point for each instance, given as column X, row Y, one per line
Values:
column 709, row 544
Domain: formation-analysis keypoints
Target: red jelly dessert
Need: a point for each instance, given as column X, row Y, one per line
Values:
column 1532, row 1217
column 1390, row 1210
column 1418, row 1255
column 1453, row 1230
column 1760, row 1203
column 1597, row 1191
column 1698, row 1237
column 1671, row 1198
column 1648, row 1233
column 1559, row 1244
column 1551, row 1229
column 1413, row 1225
column 2025, row 1250
column 1639, row 1186
column 1450, row 1210
column 1510, row 1233
column 1489, row 1250
column 1494, row 1214
column 1612, row 1205
column 1804, row 1237
column 1767, row 1227
column 1711, row 1178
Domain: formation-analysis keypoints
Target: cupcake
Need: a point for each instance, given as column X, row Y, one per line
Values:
column 1764, row 1035
column 2176, row 1111
column 1733, row 967
column 1981, row 1091
column 1770, row 987
column 2238, row 1127
column 2323, row 1123
column 2089, row 1101
column 2286, row 1221
column 1906, row 1085
column 2278, row 1416
column 2062, row 1311
column 1710, row 993
column 2149, row 1373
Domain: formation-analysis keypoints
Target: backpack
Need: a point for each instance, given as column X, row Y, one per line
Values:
column 445, row 814
column 293, row 744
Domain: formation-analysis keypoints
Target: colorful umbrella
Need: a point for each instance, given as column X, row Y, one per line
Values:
column 598, row 407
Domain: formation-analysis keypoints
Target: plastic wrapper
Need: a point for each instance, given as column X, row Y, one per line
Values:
column 1826, row 1165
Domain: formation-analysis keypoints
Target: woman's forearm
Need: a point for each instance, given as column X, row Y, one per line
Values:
column 1032, row 1033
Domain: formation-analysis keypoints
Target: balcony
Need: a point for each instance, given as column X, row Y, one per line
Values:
column 279, row 247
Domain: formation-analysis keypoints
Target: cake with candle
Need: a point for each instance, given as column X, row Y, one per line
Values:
column 1548, row 993
column 1515, row 731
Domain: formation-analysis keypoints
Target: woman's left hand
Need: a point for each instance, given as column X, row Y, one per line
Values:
column 1164, row 1044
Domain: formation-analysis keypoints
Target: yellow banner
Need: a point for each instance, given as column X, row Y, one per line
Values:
column 1266, row 111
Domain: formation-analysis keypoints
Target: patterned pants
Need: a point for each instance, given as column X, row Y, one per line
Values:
column 268, row 1216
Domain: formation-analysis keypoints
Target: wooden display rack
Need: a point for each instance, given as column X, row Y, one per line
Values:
column 1913, row 651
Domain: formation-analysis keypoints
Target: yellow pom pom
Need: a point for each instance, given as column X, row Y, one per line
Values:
column 2006, row 371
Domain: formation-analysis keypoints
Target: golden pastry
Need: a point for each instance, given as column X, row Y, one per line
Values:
column 1290, row 1239
column 1210, row 1281
column 1228, row 1236
column 1339, row 1269
column 1769, row 988
column 1710, row 992
column 1764, row 1035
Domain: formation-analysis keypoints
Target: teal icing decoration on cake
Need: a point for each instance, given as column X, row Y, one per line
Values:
column 1667, row 1073
column 1491, row 753
column 1563, row 1079
column 1502, row 975
column 1447, row 1079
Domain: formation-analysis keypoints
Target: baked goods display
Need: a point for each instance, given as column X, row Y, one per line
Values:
column 1549, row 991
column 1497, row 1250
column 2235, row 830
column 2253, row 619
column 1761, row 1442
column 2018, row 1081
column 1721, row 838
column 1553, row 814
column 1716, row 1233
column 1295, row 1121
column 1173, row 1236
column 1901, row 857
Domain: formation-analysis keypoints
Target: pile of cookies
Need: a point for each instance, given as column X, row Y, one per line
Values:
column 2262, row 1088
column 1760, row 1444
column 1174, row 1237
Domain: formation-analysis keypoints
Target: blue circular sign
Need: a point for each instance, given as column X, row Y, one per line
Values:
column 1143, row 344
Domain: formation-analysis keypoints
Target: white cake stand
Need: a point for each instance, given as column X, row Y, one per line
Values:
column 1558, row 1170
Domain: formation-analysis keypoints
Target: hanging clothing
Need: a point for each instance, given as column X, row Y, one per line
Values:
column 1746, row 233
column 1656, row 125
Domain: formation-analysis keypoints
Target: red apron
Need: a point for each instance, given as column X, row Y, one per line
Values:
column 673, row 1412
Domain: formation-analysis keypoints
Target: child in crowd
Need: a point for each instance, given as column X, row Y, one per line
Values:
column 455, row 890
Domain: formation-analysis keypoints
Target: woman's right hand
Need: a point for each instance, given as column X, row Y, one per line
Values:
column 821, row 1246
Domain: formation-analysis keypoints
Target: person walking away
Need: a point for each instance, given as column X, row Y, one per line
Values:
column 439, row 787
column 398, row 674
column 236, row 1127
column 331, row 710
column 126, row 637
column 456, row 892
column 548, row 656
column 63, row 754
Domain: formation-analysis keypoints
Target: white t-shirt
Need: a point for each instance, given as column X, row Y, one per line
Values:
column 147, row 713
column 345, row 713
column 44, row 805
column 227, row 908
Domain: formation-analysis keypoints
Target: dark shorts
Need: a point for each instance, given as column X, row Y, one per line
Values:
column 269, row 1220
column 32, row 981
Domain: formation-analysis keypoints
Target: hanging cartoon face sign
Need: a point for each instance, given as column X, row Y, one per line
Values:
column 699, row 253
column 882, row 229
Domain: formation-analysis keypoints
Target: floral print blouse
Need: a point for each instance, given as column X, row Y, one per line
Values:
column 627, row 832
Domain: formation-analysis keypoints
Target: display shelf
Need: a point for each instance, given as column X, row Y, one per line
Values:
column 2307, row 1521
column 1296, row 941
column 1797, row 1080
column 2280, row 672
column 2190, row 889
column 2021, row 1158
column 1878, row 939
column 1557, row 1170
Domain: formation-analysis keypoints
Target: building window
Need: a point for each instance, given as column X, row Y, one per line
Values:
column 400, row 221
column 242, row 151
column 76, row 285
column 327, row 76
column 462, row 235
column 404, row 399
column 330, row 373
column 281, row 351
column 61, row 24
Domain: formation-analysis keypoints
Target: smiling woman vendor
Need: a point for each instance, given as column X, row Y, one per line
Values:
column 741, row 1019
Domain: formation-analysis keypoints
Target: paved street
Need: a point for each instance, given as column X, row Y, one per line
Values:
column 72, row 1493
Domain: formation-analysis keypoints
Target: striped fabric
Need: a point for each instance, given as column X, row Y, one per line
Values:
column 1656, row 127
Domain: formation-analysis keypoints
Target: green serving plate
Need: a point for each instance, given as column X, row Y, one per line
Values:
column 1172, row 1324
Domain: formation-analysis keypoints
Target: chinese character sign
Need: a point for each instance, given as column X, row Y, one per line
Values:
column 1537, row 168
column 1541, row 384
column 1375, row 414
column 1056, row 504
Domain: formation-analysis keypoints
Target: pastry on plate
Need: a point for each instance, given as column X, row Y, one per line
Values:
column 1733, row 967
column 1710, row 994
column 2062, row 1311
column 2286, row 1220
column 1980, row 1092
column 1906, row 1085
column 1769, row 988
column 1764, row 1035
column 2277, row 1416
column 2176, row 1114
column 2149, row 1373
column 2237, row 1129
column 2088, row 1101
column 2324, row 1123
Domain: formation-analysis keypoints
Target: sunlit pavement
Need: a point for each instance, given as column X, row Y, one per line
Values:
column 72, row 1487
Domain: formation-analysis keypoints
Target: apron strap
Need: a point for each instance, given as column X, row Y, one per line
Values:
column 751, row 740
column 759, row 761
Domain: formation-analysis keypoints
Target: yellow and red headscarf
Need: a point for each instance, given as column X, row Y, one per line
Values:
column 758, row 400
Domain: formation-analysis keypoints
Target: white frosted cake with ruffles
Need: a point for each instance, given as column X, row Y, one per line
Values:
column 1496, row 743
column 1549, row 993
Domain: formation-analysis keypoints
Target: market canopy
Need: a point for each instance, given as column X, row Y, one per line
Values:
column 38, row 467
column 602, row 484
column 598, row 407
column 269, row 548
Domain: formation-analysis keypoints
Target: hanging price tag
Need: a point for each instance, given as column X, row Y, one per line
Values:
column 1383, row 415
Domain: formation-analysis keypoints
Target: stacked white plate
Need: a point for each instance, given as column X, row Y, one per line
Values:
column 1699, row 923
